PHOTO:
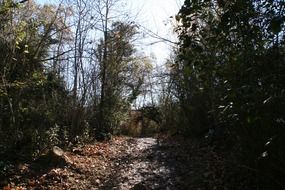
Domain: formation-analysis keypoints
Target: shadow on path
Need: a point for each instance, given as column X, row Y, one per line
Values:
column 149, row 165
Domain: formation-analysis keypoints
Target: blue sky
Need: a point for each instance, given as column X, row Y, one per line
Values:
column 154, row 15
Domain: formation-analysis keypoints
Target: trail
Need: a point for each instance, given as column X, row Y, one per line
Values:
column 126, row 163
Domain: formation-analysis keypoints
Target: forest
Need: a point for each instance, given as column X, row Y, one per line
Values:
column 81, row 107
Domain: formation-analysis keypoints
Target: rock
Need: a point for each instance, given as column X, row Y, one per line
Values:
column 57, row 151
column 98, row 182
column 54, row 157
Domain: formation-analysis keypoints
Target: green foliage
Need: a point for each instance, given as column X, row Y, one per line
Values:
column 141, row 123
column 228, row 74
column 124, row 77
column 152, row 113
column 37, row 62
column 31, row 98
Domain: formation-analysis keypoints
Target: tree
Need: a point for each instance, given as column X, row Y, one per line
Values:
column 223, row 73
column 26, row 87
column 123, row 74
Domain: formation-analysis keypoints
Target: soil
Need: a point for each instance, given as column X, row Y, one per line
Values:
column 125, row 163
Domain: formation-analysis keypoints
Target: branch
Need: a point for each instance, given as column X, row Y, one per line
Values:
column 156, row 36
column 56, row 56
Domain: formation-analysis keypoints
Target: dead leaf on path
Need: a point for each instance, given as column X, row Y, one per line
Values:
column 7, row 187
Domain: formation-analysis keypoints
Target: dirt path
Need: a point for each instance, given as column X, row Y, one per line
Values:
column 125, row 163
